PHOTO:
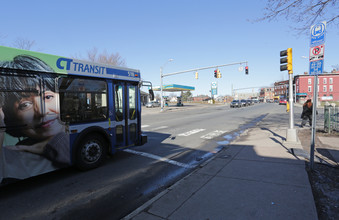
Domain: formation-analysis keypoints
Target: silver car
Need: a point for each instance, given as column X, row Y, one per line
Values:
column 152, row 104
column 235, row 104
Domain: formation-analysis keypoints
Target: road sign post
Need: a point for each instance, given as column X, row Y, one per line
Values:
column 317, row 48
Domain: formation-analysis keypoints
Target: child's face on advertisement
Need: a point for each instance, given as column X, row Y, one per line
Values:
column 42, row 120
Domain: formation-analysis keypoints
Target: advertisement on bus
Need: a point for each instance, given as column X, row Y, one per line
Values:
column 33, row 139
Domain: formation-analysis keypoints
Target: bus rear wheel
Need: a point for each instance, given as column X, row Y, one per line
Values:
column 91, row 152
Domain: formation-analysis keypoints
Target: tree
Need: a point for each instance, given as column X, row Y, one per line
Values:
column 24, row 44
column 186, row 96
column 104, row 57
column 335, row 68
column 304, row 12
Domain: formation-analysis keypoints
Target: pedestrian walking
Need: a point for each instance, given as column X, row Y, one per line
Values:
column 307, row 113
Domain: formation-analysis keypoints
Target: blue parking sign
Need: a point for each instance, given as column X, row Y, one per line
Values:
column 316, row 67
column 318, row 34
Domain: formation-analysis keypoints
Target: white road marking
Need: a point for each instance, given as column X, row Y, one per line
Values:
column 159, row 128
column 213, row 134
column 144, row 126
column 163, row 159
column 191, row 132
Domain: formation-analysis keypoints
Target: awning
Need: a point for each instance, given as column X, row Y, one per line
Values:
column 174, row 88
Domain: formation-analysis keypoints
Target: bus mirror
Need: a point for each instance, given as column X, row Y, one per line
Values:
column 151, row 94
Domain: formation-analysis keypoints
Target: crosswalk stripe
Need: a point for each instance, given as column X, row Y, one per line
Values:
column 213, row 134
column 191, row 132
column 159, row 128
column 163, row 159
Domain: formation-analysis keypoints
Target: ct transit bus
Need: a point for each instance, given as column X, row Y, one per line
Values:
column 57, row 112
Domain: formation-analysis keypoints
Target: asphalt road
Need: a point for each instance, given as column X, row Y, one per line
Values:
column 179, row 139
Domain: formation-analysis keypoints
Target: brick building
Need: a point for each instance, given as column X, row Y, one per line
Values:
column 328, row 87
column 201, row 98
column 281, row 89
column 266, row 94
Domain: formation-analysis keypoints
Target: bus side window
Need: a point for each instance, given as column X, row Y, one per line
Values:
column 82, row 100
column 132, row 102
column 119, row 116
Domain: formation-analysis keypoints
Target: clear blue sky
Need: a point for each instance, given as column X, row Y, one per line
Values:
column 146, row 33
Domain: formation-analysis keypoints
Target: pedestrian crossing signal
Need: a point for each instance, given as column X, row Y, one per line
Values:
column 286, row 60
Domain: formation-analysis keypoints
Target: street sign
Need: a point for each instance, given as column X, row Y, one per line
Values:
column 316, row 67
column 214, row 88
column 214, row 91
column 318, row 34
column 317, row 48
column 317, row 53
column 214, row 85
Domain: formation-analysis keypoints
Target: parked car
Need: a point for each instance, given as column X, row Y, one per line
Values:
column 235, row 104
column 243, row 102
column 152, row 104
column 249, row 102
column 282, row 102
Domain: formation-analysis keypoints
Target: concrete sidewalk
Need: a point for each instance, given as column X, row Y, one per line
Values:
column 255, row 177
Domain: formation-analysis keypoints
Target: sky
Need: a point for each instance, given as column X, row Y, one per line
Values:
column 147, row 33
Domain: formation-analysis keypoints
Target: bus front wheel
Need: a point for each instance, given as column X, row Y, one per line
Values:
column 91, row 152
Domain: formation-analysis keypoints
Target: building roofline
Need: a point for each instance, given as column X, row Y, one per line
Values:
column 324, row 74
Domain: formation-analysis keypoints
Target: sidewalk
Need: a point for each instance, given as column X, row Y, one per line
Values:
column 255, row 177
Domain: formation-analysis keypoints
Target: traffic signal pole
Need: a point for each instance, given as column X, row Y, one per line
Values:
column 186, row 71
column 291, row 134
column 290, row 96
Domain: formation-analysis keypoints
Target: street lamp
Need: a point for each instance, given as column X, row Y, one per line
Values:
column 161, row 76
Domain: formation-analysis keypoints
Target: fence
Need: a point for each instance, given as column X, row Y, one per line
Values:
column 331, row 119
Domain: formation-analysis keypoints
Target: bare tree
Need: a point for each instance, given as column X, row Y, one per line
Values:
column 24, row 44
column 304, row 12
column 335, row 67
column 104, row 57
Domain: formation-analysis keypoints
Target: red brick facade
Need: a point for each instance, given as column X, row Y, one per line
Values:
column 281, row 88
column 328, row 87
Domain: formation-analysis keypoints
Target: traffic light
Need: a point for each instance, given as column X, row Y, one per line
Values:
column 287, row 61
column 196, row 75
column 216, row 73
column 246, row 70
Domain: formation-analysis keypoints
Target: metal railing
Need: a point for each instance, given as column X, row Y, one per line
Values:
column 331, row 119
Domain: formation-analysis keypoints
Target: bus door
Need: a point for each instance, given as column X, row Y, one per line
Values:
column 125, row 114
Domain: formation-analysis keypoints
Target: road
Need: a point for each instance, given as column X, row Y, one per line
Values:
column 179, row 139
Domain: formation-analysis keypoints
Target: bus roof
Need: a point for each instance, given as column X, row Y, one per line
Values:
column 70, row 66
